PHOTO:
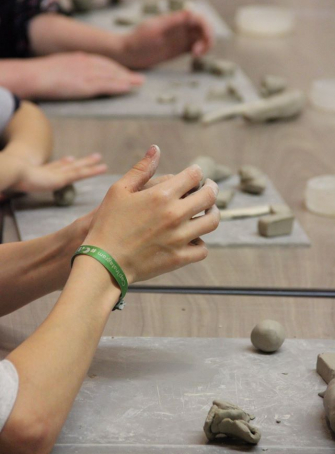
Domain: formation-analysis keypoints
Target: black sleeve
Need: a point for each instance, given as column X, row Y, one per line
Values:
column 15, row 16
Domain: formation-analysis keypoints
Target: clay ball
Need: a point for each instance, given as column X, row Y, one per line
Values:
column 65, row 197
column 268, row 336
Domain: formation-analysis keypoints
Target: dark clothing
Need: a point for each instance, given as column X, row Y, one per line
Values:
column 14, row 22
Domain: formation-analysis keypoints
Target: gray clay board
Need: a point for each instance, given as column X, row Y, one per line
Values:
column 152, row 395
column 106, row 18
column 38, row 216
column 187, row 87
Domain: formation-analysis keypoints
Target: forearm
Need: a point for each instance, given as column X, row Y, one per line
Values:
column 21, row 77
column 53, row 33
column 56, row 357
column 29, row 135
column 38, row 267
column 11, row 171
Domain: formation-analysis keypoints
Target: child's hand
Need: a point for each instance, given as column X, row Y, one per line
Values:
column 57, row 174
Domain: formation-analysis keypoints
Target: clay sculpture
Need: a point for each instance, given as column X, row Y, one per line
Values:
column 282, row 106
column 268, row 336
column 226, row 420
column 271, row 85
column 65, row 197
column 212, row 169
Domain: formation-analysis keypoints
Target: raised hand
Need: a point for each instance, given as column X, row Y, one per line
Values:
column 152, row 231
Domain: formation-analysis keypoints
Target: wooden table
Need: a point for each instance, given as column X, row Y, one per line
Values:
column 289, row 152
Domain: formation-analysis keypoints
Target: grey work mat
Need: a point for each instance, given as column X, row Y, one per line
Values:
column 152, row 395
column 244, row 232
column 143, row 102
column 38, row 216
column 106, row 18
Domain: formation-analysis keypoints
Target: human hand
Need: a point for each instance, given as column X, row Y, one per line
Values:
column 153, row 231
column 165, row 37
column 76, row 75
column 57, row 174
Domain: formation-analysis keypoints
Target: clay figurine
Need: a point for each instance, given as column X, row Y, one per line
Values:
column 226, row 420
column 65, row 197
column 276, row 107
column 268, row 336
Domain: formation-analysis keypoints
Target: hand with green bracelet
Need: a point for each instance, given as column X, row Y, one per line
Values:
column 150, row 229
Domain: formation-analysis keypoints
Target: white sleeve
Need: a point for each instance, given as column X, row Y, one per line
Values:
column 9, row 385
column 8, row 106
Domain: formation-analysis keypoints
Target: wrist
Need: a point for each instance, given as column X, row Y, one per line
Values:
column 99, row 287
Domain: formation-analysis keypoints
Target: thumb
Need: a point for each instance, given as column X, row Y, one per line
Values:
column 140, row 174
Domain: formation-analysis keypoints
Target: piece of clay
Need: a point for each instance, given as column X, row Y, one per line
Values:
column 329, row 403
column 282, row 106
column 201, row 64
column 234, row 92
column 212, row 169
column 218, row 94
column 276, row 225
column 268, row 336
column 271, row 85
column 221, row 67
column 325, row 366
column 280, row 209
column 192, row 112
column 210, row 64
column 65, row 197
column 248, row 212
column 151, row 7
column 249, row 172
column 254, row 186
column 252, row 179
column 166, row 98
column 224, row 198
column 127, row 19
column 176, row 5
column 229, row 421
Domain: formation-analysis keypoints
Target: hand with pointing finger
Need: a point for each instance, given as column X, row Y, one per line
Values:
column 150, row 231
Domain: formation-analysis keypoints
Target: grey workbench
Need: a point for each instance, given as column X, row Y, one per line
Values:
column 152, row 395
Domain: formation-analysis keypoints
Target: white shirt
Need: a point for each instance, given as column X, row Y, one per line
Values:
column 9, row 385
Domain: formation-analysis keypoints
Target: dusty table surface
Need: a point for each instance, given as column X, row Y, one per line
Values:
column 153, row 395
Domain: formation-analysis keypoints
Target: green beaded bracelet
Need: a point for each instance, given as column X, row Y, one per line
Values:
column 111, row 266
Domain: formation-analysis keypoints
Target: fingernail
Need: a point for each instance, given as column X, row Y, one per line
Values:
column 152, row 151
column 96, row 155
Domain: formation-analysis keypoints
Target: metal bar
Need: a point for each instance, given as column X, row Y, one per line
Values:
column 239, row 291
